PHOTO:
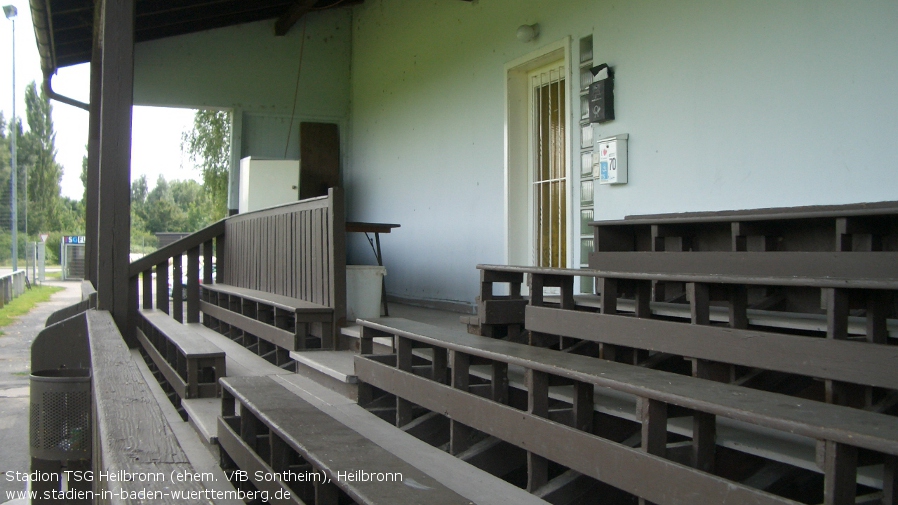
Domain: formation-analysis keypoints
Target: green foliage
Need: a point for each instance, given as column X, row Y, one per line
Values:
column 23, row 304
column 209, row 147
column 46, row 210
column 173, row 206
column 38, row 152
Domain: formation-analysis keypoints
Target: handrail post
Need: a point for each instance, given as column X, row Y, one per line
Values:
column 177, row 292
column 147, row 277
column 162, row 286
column 193, row 285
column 220, row 257
column 207, row 271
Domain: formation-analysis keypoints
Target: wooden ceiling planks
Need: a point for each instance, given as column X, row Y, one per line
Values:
column 71, row 21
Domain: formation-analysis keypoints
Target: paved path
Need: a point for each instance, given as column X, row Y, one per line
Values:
column 15, row 360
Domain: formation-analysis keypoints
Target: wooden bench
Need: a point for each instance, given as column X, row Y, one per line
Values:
column 190, row 364
column 276, row 432
column 279, row 320
column 858, row 228
column 852, row 227
column 844, row 278
column 283, row 277
column 575, row 440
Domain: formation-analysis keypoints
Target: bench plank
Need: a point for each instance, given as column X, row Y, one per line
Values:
column 855, row 362
column 134, row 436
column 194, row 353
column 765, row 214
column 275, row 300
column 189, row 343
column 273, row 334
column 618, row 465
column 332, row 447
column 870, row 270
column 802, row 417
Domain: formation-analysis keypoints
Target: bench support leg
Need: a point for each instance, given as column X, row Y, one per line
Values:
column 643, row 299
column 460, row 434
column 584, row 406
column 700, row 305
column 280, row 453
column 440, row 365
column 739, row 307
column 654, row 429
column 890, row 481
column 840, row 474
column 537, row 404
column 326, row 494
column 704, row 440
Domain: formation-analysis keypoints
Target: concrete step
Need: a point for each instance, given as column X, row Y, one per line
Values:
column 350, row 335
column 472, row 483
column 332, row 369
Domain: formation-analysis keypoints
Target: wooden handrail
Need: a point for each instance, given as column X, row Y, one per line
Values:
column 177, row 248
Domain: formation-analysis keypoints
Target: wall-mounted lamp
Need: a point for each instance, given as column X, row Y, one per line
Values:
column 527, row 33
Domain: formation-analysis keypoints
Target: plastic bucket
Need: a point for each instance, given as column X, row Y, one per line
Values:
column 363, row 290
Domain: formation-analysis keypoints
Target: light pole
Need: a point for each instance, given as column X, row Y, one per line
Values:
column 11, row 12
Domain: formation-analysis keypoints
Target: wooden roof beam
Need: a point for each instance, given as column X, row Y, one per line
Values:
column 293, row 14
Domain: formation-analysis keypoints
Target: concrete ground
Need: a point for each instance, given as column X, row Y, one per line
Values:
column 15, row 360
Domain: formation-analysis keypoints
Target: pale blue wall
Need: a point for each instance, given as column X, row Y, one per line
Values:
column 248, row 69
column 729, row 104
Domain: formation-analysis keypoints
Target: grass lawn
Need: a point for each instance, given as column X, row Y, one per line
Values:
column 23, row 304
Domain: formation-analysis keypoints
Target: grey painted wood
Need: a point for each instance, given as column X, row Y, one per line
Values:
column 92, row 184
column 766, row 214
column 275, row 300
column 276, row 336
column 295, row 250
column 178, row 383
column 855, row 362
column 131, row 433
column 873, row 270
column 332, row 447
column 188, row 342
column 177, row 248
column 802, row 417
column 610, row 462
column 114, row 217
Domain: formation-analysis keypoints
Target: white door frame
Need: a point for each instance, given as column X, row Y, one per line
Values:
column 518, row 174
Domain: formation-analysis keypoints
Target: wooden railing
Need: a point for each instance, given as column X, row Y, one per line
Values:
column 88, row 301
column 130, row 433
column 209, row 241
column 296, row 250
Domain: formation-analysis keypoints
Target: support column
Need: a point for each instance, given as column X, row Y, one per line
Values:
column 92, row 189
column 114, row 237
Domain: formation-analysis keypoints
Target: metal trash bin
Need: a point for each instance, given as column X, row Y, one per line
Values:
column 60, row 414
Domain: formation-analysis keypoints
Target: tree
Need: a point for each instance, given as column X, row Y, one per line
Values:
column 84, row 177
column 38, row 149
column 209, row 148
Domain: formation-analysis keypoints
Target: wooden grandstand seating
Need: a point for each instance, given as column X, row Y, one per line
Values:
column 282, row 286
column 555, row 413
column 276, row 432
column 190, row 364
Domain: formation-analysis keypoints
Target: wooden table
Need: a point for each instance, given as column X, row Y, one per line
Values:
column 376, row 229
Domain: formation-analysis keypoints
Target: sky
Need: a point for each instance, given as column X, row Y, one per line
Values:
column 156, row 149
